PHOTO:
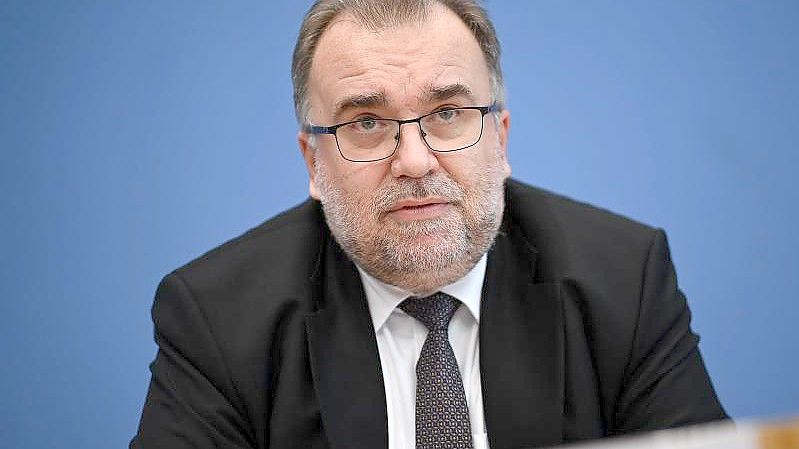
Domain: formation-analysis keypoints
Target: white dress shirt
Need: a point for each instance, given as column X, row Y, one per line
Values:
column 399, row 341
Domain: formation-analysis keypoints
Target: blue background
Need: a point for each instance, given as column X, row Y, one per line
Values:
column 137, row 135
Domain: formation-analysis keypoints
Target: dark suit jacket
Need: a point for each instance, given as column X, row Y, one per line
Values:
column 267, row 341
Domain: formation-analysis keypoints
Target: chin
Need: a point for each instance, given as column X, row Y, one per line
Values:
column 423, row 284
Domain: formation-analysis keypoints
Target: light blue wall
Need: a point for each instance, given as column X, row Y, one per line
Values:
column 136, row 135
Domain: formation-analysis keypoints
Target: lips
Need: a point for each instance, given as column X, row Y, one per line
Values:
column 418, row 209
column 416, row 204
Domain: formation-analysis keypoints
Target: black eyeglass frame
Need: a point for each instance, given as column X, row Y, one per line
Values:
column 493, row 107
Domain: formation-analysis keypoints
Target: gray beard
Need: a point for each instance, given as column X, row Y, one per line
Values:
column 424, row 255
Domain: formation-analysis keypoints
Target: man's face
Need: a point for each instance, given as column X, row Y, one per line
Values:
column 419, row 220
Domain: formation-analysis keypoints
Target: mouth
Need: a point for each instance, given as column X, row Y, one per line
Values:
column 419, row 209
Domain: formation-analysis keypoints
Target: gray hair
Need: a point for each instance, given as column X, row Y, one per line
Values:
column 379, row 14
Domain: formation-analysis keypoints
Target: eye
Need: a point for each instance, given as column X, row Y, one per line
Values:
column 447, row 115
column 366, row 124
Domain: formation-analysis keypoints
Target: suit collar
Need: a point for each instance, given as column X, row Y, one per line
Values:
column 345, row 364
column 521, row 348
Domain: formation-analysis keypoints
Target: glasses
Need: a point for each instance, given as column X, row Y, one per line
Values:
column 374, row 139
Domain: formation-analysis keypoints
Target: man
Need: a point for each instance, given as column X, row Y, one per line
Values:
column 420, row 298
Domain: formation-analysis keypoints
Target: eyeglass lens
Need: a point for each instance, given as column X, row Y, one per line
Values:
column 447, row 130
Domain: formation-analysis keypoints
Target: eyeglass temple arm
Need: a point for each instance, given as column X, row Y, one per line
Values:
column 313, row 129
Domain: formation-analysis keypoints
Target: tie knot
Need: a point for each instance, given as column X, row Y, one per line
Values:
column 433, row 311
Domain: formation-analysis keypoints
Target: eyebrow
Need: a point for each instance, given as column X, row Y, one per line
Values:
column 441, row 93
column 365, row 100
column 380, row 99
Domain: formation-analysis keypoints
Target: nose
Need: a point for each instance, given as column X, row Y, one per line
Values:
column 413, row 157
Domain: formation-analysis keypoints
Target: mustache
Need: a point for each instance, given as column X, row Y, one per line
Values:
column 409, row 188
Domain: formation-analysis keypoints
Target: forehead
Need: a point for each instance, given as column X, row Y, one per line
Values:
column 402, row 64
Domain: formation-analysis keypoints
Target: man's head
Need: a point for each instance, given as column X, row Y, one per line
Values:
column 417, row 218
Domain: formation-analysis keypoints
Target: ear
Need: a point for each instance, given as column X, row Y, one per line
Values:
column 309, row 154
column 503, row 128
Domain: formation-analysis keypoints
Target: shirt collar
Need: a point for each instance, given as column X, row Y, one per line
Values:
column 384, row 298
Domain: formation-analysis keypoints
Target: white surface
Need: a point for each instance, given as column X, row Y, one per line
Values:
column 710, row 436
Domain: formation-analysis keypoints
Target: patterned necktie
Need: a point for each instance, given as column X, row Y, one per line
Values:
column 442, row 416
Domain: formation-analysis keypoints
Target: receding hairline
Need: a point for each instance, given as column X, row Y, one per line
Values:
column 361, row 18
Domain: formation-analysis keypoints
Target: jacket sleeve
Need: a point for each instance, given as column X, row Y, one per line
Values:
column 665, row 383
column 191, row 401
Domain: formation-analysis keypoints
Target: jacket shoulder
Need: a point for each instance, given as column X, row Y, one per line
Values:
column 277, row 255
column 574, row 237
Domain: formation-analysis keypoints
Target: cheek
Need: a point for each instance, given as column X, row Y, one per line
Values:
column 360, row 179
column 462, row 166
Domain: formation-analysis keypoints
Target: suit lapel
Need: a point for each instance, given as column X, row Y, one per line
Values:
column 344, row 358
column 521, row 349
